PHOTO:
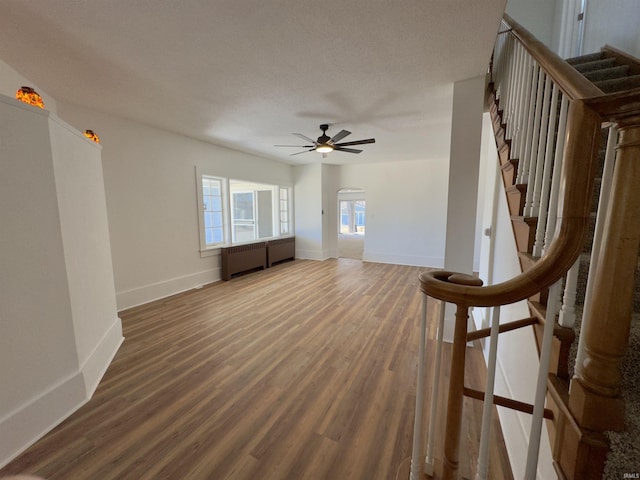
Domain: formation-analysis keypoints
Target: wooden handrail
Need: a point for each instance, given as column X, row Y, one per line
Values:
column 569, row 80
column 583, row 125
column 616, row 106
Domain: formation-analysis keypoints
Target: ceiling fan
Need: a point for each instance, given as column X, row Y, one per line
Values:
column 325, row 144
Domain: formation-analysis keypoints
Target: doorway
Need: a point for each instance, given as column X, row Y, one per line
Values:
column 351, row 223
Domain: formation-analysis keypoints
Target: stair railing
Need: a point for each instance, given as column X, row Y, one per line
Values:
column 552, row 116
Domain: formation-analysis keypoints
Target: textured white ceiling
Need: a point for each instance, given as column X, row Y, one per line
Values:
column 248, row 73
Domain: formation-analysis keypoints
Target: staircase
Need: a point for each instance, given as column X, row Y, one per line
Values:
column 548, row 116
column 618, row 451
column 612, row 453
column 610, row 70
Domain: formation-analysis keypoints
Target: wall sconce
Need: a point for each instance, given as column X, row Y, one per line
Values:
column 90, row 134
column 30, row 96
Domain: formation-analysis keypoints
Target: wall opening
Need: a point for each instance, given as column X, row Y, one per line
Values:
column 351, row 223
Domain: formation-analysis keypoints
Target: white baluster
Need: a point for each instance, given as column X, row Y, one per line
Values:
column 603, row 205
column 523, row 165
column 527, row 98
column 568, row 311
column 506, row 112
column 487, row 408
column 417, row 420
column 522, row 93
column 555, row 177
column 541, row 390
column 512, row 126
column 504, row 71
column 522, row 80
column 512, row 79
column 533, row 154
column 431, row 439
column 543, row 212
column 498, row 64
column 533, row 209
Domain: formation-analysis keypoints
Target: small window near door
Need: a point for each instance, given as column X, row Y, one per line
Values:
column 352, row 216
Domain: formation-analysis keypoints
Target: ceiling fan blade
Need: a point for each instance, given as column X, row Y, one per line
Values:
column 339, row 136
column 356, row 142
column 296, row 146
column 304, row 137
column 348, row 150
column 304, row 151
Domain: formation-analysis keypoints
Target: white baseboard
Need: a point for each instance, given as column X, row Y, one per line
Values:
column 23, row 427
column 396, row 259
column 311, row 254
column 154, row 291
column 96, row 365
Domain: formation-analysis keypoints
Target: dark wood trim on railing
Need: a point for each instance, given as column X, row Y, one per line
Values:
column 616, row 106
column 506, row 402
column 505, row 327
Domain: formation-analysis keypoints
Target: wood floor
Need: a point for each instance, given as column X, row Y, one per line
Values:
column 303, row 371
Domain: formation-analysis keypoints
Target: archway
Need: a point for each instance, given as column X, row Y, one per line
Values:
column 351, row 222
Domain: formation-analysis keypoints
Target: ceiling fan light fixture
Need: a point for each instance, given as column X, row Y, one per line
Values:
column 326, row 144
column 324, row 148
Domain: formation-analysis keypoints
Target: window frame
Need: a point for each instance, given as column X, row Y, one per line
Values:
column 204, row 246
column 288, row 222
column 226, row 194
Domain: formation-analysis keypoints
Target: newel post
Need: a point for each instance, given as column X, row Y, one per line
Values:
column 595, row 394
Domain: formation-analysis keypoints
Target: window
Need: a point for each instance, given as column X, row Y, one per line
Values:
column 213, row 216
column 236, row 211
column 284, row 211
column 352, row 216
column 253, row 214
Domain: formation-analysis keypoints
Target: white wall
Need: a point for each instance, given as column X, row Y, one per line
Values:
column 37, row 344
column 150, row 185
column 87, row 251
column 406, row 210
column 613, row 22
column 330, row 187
column 309, row 221
column 466, row 134
column 59, row 325
column 537, row 17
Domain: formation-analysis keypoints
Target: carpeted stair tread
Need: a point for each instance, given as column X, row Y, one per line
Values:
column 589, row 57
column 624, row 456
column 607, row 73
column 595, row 65
column 619, row 84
